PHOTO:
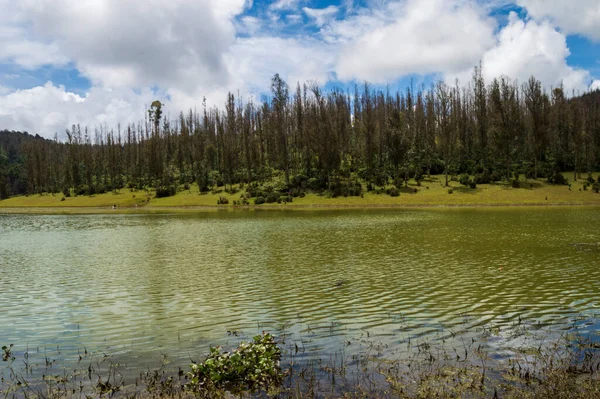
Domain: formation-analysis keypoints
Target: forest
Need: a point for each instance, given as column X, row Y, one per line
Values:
column 311, row 140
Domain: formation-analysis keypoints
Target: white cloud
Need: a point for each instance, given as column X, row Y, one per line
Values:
column 192, row 49
column 414, row 36
column 595, row 85
column 50, row 109
column 256, row 60
column 321, row 16
column 137, row 43
column 526, row 48
column 572, row 16
column 30, row 54
column 284, row 5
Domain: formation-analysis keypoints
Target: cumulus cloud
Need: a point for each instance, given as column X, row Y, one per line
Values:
column 426, row 36
column 139, row 43
column 573, row 17
column 205, row 48
column 321, row 16
column 50, row 109
column 526, row 48
column 595, row 85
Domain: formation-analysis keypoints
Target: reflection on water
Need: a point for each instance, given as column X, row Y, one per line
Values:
column 142, row 285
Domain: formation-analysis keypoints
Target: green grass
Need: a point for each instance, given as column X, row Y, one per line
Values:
column 431, row 193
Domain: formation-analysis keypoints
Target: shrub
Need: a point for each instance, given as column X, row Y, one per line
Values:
column 259, row 200
column 287, row 198
column 63, row 199
column 272, row 198
column 450, row 191
column 558, row 179
column 393, row 192
column 82, row 190
column 232, row 190
column 100, row 188
column 222, row 201
column 186, row 186
column 483, row 178
column 473, row 184
column 515, row 183
column 590, row 179
column 166, row 191
column 252, row 367
column 66, row 192
column 341, row 188
column 464, row 179
column 596, row 187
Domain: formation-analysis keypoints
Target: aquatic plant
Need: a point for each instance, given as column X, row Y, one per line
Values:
column 252, row 366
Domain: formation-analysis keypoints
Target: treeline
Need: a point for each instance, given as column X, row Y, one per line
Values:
column 490, row 132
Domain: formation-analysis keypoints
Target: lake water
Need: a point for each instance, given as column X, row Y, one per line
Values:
column 140, row 286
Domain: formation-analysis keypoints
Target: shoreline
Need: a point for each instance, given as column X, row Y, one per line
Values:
column 150, row 209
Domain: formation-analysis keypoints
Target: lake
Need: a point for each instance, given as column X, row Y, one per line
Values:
column 142, row 286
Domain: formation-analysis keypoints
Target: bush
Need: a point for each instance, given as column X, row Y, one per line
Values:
column 596, row 187
column 464, row 179
column 82, row 190
column 515, row 183
column 558, row 179
column 272, row 198
column 100, row 189
column 297, row 192
column 66, row 192
column 483, row 178
column 186, row 186
column 590, row 179
column 252, row 367
column 166, row 191
column 232, row 190
column 341, row 188
column 450, row 191
column 393, row 192
column 63, row 199
column 259, row 200
column 222, row 201
column 287, row 198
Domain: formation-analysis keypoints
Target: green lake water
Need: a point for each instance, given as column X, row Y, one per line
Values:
column 140, row 286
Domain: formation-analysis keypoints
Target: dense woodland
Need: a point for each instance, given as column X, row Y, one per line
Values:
column 336, row 142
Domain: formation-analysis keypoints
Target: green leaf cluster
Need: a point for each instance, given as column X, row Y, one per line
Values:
column 251, row 367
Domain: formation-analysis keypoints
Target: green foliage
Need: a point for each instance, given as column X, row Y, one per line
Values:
column 222, row 201
column 166, row 191
column 450, row 191
column 596, row 187
column 259, row 200
column 466, row 180
column 393, row 192
column 345, row 188
column 558, row 179
column 251, row 367
column 273, row 197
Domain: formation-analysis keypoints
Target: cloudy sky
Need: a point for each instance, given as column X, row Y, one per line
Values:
column 104, row 61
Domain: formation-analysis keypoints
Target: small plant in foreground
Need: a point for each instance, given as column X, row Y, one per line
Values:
column 7, row 353
column 252, row 366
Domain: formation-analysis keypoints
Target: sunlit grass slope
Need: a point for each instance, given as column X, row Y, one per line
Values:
column 431, row 192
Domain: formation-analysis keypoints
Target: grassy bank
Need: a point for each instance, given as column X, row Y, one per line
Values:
column 430, row 193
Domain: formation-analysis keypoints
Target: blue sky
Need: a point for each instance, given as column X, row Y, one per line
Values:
column 101, row 62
